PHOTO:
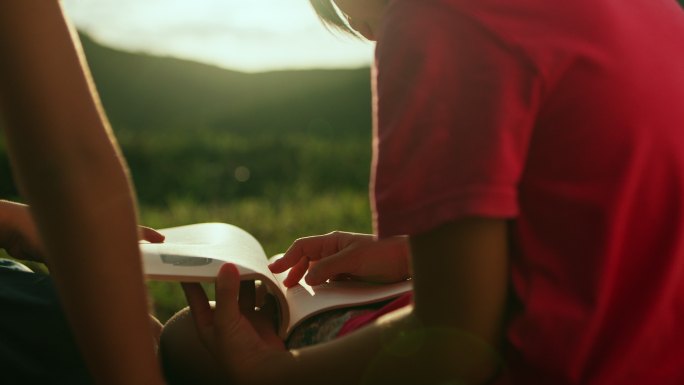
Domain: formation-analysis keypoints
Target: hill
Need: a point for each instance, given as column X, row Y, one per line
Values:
column 143, row 91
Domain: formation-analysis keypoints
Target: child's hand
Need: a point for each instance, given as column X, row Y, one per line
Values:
column 341, row 255
column 243, row 340
column 150, row 235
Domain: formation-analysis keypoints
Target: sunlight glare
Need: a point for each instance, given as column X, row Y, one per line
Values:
column 245, row 35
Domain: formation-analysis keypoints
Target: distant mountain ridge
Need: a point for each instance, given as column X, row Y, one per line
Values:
column 141, row 91
column 186, row 127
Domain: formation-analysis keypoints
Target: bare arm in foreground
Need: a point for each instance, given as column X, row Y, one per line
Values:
column 70, row 171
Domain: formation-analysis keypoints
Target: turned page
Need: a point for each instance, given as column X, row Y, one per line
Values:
column 305, row 301
column 196, row 252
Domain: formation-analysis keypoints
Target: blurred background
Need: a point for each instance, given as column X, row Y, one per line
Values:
column 241, row 111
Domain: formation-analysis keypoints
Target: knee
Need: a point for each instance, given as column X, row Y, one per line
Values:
column 184, row 358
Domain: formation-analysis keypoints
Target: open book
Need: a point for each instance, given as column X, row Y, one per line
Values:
column 196, row 252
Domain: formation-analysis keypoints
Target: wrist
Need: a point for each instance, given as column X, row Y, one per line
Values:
column 280, row 365
column 7, row 221
column 15, row 222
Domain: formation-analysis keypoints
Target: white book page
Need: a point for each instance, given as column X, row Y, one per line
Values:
column 305, row 301
column 196, row 252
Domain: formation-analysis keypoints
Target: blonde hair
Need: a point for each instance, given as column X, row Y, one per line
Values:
column 331, row 16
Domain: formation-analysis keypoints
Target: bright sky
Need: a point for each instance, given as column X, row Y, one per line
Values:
column 244, row 35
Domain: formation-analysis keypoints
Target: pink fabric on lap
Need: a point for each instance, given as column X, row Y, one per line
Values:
column 361, row 320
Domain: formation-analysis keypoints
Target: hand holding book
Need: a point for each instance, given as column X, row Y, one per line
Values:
column 196, row 253
column 235, row 325
column 344, row 256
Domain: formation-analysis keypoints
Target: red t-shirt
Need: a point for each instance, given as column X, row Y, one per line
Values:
column 567, row 117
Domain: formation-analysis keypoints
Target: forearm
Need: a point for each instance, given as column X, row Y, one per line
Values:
column 397, row 349
column 69, row 169
column 453, row 332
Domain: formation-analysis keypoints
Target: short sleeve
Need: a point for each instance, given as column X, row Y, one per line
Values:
column 454, row 109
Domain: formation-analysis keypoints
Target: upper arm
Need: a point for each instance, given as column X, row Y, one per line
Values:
column 45, row 86
column 55, row 129
column 38, row 51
